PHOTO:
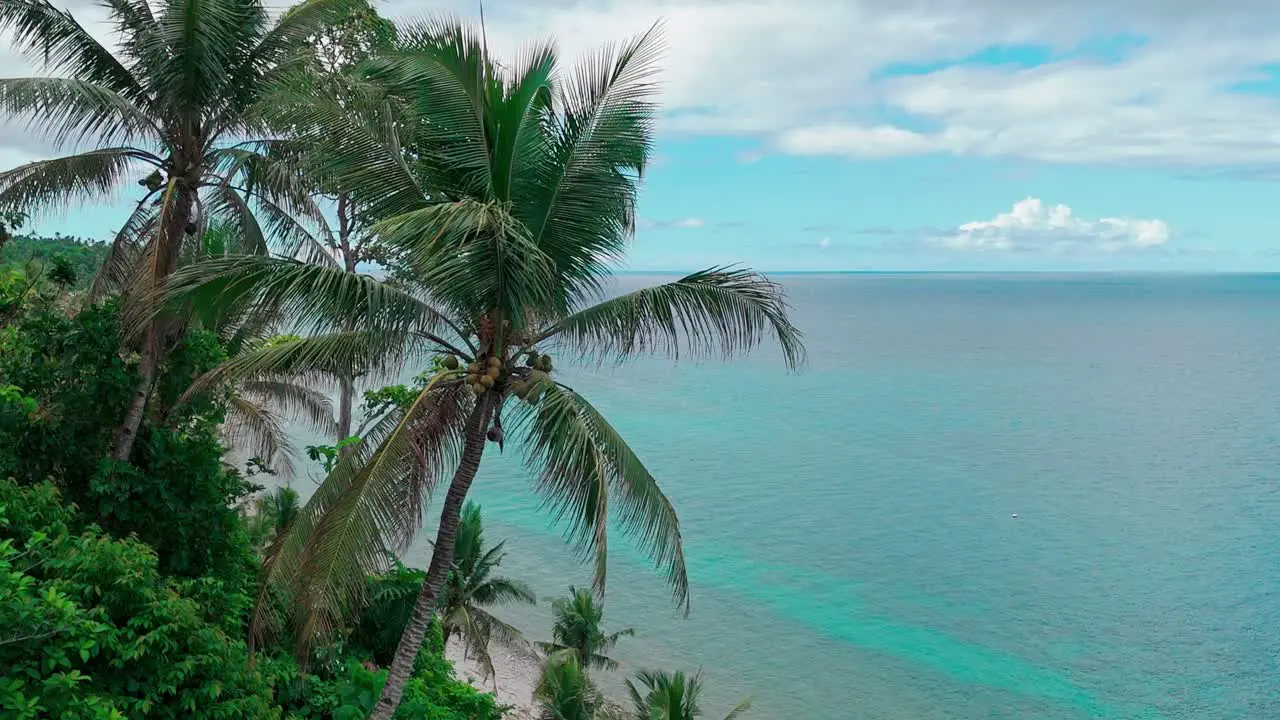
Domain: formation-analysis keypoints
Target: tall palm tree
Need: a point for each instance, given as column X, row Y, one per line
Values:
column 471, row 588
column 175, row 99
column 576, row 631
column 671, row 696
column 507, row 196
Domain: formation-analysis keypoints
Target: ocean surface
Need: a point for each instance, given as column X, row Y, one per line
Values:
column 987, row 496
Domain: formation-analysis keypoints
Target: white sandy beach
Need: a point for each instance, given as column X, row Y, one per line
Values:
column 515, row 675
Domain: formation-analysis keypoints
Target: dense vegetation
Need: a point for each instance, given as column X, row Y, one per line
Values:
column 141, row 573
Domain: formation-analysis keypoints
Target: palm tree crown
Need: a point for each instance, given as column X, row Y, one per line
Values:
column 576, row 631
column 671, row 696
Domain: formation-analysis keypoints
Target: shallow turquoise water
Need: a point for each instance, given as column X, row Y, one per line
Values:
column 850, row 529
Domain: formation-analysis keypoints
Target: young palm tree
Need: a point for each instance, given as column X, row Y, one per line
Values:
column 471, row 588
column 176, row 100
column 565, row 692
column 576, row 631
column 671, row 696
column 507, row 196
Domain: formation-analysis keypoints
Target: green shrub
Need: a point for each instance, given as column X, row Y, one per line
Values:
column 91, row 627
column 176, row 493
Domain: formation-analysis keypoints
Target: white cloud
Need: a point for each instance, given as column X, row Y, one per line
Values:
column 824, row 243
column 802, row 76
column 1033, row 226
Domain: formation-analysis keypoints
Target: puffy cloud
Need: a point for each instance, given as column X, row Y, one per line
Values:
column 1033, row 226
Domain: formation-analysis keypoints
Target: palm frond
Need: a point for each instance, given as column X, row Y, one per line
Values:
column 442, row 65
column 124, row 256
column 279, row 190
column 503, row 591
column 296, row 401
column 337, row 354
column 257, row 431
column 721, row 311
column 350, row 135
column 68, row 110
column 474, row 256
column 580, row 208
column 317, row 298
column 581, row 461
column 206, row 40
column 55, row 39
column 49, row 185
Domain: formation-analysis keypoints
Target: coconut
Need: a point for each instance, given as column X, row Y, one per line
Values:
column 495, row 362
column 451, row 362
column 473, row 368
column 545, row 362
column 486, row 380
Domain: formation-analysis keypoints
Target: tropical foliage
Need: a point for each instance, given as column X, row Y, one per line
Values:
column 565, row 692
column 497, row 196
column 505, row 195
column 172, row 103
column 670, row 696
column 134, row 601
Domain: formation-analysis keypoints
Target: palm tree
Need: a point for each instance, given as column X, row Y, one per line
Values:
column 671, row 696
column 176, row 100
column 565, row 692
column 506, row 196
column 471, row 588
column 576, row 631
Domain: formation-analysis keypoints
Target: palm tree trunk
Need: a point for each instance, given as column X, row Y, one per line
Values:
column 170, row 242
column 127, row 431
column 346, row 391
column 346, row 384
column 441, row 558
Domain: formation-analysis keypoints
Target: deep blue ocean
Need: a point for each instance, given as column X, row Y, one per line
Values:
column 851, row 529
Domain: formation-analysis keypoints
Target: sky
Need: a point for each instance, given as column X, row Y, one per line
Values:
column 888, row 135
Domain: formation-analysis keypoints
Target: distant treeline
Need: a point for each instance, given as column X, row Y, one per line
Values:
column 33, row 252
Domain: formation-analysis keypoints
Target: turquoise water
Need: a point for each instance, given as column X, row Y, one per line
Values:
column 850, row 529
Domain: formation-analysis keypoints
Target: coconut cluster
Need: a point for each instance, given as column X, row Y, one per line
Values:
column 484, row 374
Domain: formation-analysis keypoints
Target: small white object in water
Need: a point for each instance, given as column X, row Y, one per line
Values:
column 1015, row 515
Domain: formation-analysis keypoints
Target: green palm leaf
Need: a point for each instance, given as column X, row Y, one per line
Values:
column 719, row 311
column 69, row 110
column 583, row 467
column 365, row 508
column 51, row 184
column 52, row 36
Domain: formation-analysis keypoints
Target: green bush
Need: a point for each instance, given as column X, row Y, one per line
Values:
column 92, row 628
column 176, row 493
column 349, row 689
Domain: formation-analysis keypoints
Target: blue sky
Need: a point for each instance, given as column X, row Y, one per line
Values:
column 932, row 135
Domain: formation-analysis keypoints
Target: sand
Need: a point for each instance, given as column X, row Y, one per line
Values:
column 515, row 675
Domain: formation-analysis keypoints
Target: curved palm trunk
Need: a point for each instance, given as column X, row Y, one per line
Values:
column 441, row 559
column 126, row 433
